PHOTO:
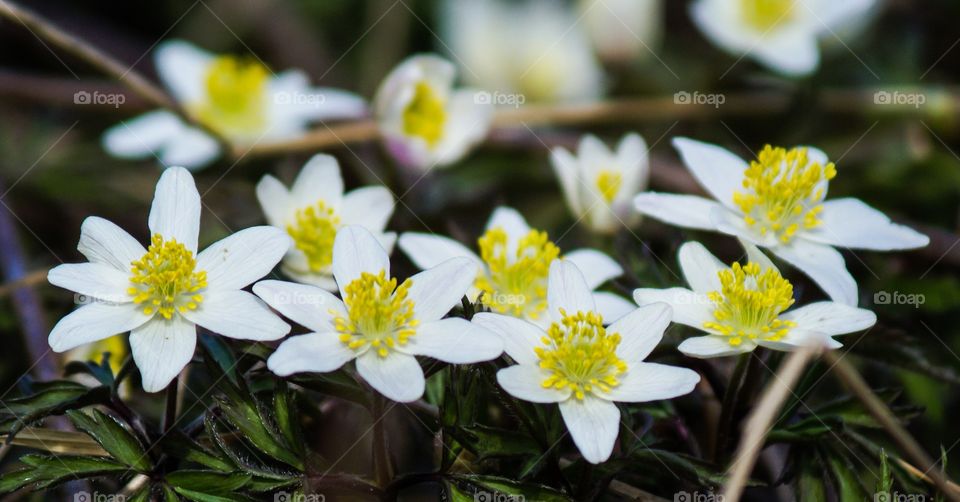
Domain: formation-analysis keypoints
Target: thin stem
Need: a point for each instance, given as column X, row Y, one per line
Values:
column 170, row 410
column 729, row 400
column 383, row 470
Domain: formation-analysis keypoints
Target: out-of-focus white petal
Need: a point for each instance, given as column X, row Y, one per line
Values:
column 243, row 257
column 182, row 67
column 369, row 207
column 175, row 213
column 319, row 180
column 274, row 200
column 161, row 349
column 143, row 136
column 191, row 148
column 510, row 220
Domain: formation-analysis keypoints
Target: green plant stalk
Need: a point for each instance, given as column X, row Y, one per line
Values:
column 724, row 424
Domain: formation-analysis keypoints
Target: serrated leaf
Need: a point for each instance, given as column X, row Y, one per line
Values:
column 113, row 437
column 178, row 445
column 247, row 419
column 493, row 485
column 43, row 471
column 50, row 398
column 489, row 442
column 210, row 482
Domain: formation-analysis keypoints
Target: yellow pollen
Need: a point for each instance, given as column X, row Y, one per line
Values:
column 425, row 115
column 580, row 355
column 783, row 192
column 608, row 183
column 766, row 14
column 379, row 314
column 313, row 233
column 236, row 97
column 165, row 279
column 516, row 280
column 749, row 303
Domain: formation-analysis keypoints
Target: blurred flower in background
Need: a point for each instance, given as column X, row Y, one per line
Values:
column 780, row 34
column 425, row 122
column 599, row 184
column 240, row 99
column 538, row 49
column 623, row 31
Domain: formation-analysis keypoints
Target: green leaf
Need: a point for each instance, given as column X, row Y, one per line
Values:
column 113, row 437
column 178, row 445
column 211, row 482
column 846, row 480
column 810, row 483
column 489, row 442
column 286, row 416
column 246, row 417
column 493, row 486
column 885, row 484
column 49, row 398
column 101, row 371
column 42, row 471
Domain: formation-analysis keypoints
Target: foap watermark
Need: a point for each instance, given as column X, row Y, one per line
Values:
column 698, row 98
column 498, row 98
column 299, row 98
column 697, row 496
column 82, row 299
column 898, row 497
column 297, row 298
column 484, row 496
column 114, row 99
column 898, row 298
column 299, row 497
column 914, row 99
column 84, row 496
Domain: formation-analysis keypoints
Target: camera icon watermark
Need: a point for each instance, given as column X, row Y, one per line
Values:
column 299, row 98
column 898, row 298
column 698, row 98
column 498, row 98
column 484, row 496
column 82, row 299
column 898, row 497
column 98, row 497
column 99, row 98
column 697, row 496
column 299, row 497
column 914, row 99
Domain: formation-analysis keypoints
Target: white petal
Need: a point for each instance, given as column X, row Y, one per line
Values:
column 755, row 255
column 468, row 123
column 594, row 424
column 355, row 251
column 237, row 314
column 565, row 165
column 641, row 330
column 102, row 241
column 718, row 170
column 191, row 148
column 831, row 318
column 456, row 341
column 596, row 267
column 700, row 268
column 305, row 305
column 313, row 352
column 274, row 199
column 519, row 336
column 797, row 338
column 793, row 52
column 95, row 280
column 713, row 346
column 369, row 207
column 525, row 382
column 688, row 211
column 633, row 157
column 436, row 290
column 612, row 306
column 851, row 223
column 592, row 151
column 428, row 251
column 94, row 322
column 567, row 290
column 397, row 376
column 510, row 221
column 241, row 258
column 824, row 265
column 319, row 180
column 143, row 136
column 320, row 280
column 175, row 213
column 689, row 308
column 652, row 382
column 182, row 67
column 161, row 349
column 732, row 223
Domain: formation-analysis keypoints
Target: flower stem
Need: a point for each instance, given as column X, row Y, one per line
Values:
column 383, row 470
column 170, row 411
column 729, row 402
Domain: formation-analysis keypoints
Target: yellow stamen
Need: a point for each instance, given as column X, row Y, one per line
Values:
column 764, row 15
column 236, row 100
column 425, row 115
column 783, row 192
column 379, row 314
column 749, row 303
column 608, row 183
column 580, row 355
column 313, row 233
column 516, row 280
column 165, row 279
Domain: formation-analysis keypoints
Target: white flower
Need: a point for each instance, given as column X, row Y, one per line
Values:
column 239, row 99
column 537, row 50
column 162, row 293
column 777, row 202
column 381, row 322
column 780, row 34
column 314, row 209
column 513, row 266
column 424, row 121
column 742, row 307
column 623, row 31
column 582, row 366
column 599, row 185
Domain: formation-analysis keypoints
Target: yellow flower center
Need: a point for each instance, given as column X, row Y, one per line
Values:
column 425, row 115
column 165, row 279
column 766, row 14
column 608, row 183
column 783, row 192
column 313, row 233
column 236, row 97
column 516, row 282
column 580, row 355
column 380, row 316
column 749, row 302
